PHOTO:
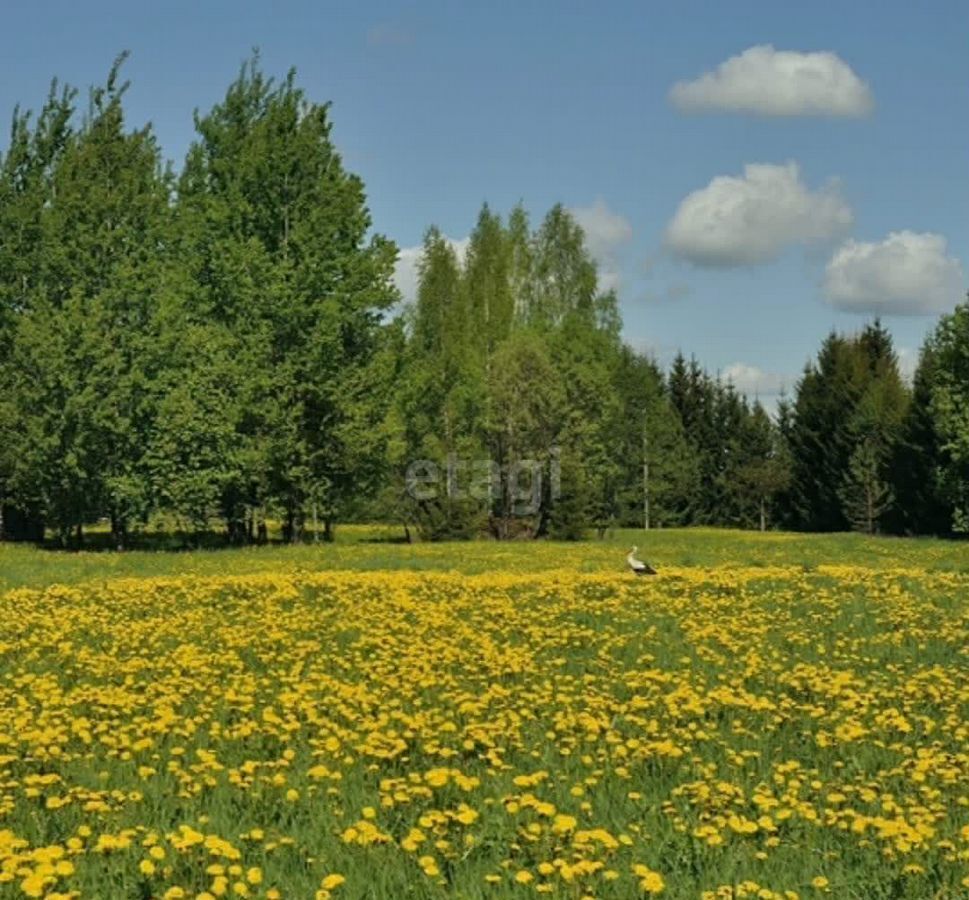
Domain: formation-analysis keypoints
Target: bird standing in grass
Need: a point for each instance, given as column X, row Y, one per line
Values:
column 637, row 565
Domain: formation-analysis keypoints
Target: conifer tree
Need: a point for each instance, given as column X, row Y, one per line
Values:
column 949, row 349
column 918, row 462
column 865, row 496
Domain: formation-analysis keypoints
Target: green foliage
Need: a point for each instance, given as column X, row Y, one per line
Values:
column 737, row 463
column 219, row 347
column 516, row 356
column 510, row 362
column 276, row 231
column 865, row 497
column 918, row 462
column 764, row 471
column 526, row 405
column 209, row 348
column 81, row 368
column 949, row 407
column 846, row 424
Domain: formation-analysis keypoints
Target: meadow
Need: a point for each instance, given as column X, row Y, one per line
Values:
column 772, row 716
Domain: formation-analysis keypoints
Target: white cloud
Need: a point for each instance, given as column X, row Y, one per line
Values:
column 662, row 354
column 753, row 218
column 770, row 82
column 408, row 259
column 908, row 273
column 405, row 271
column 754, row 381
column 908, row 362
column 609, row 280
column 605, row 234
column 604, row 229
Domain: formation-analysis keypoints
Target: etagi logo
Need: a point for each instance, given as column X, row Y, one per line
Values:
column 519, row 483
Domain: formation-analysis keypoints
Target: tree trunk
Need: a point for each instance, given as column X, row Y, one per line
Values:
column 543, row 522
column 119, row 531
column 327, row 529
column 763, row 515
column 645, row 479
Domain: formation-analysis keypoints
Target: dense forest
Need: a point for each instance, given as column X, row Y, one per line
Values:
column 222, row 344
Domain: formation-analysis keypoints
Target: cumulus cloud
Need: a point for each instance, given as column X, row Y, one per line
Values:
column 605, row 234
column 753, row 218
column 754, row 381
column 408, row 259
column 770, row 82
column 907, row 273
column 405, row 271
column 661, row 353
column 609, row 280
column 604, row 229
column 908, row 362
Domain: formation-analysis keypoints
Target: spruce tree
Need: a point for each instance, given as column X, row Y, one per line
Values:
column 950, row 411
column 864, row 494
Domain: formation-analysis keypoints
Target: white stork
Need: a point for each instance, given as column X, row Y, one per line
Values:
column 637, row 565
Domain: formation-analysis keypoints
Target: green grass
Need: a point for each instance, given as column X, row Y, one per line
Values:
column 659, row 708
column 369, row 547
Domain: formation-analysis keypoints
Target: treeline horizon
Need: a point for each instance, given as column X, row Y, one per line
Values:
column 225, row 344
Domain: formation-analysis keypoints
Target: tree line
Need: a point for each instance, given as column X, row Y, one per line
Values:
column 224, row 344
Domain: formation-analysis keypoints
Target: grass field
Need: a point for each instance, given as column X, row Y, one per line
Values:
column 365, row 548
column 772, row 716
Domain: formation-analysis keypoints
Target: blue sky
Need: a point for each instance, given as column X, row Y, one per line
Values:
column 440, row 107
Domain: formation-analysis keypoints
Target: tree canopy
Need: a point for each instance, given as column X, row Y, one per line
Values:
column 222, row 342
